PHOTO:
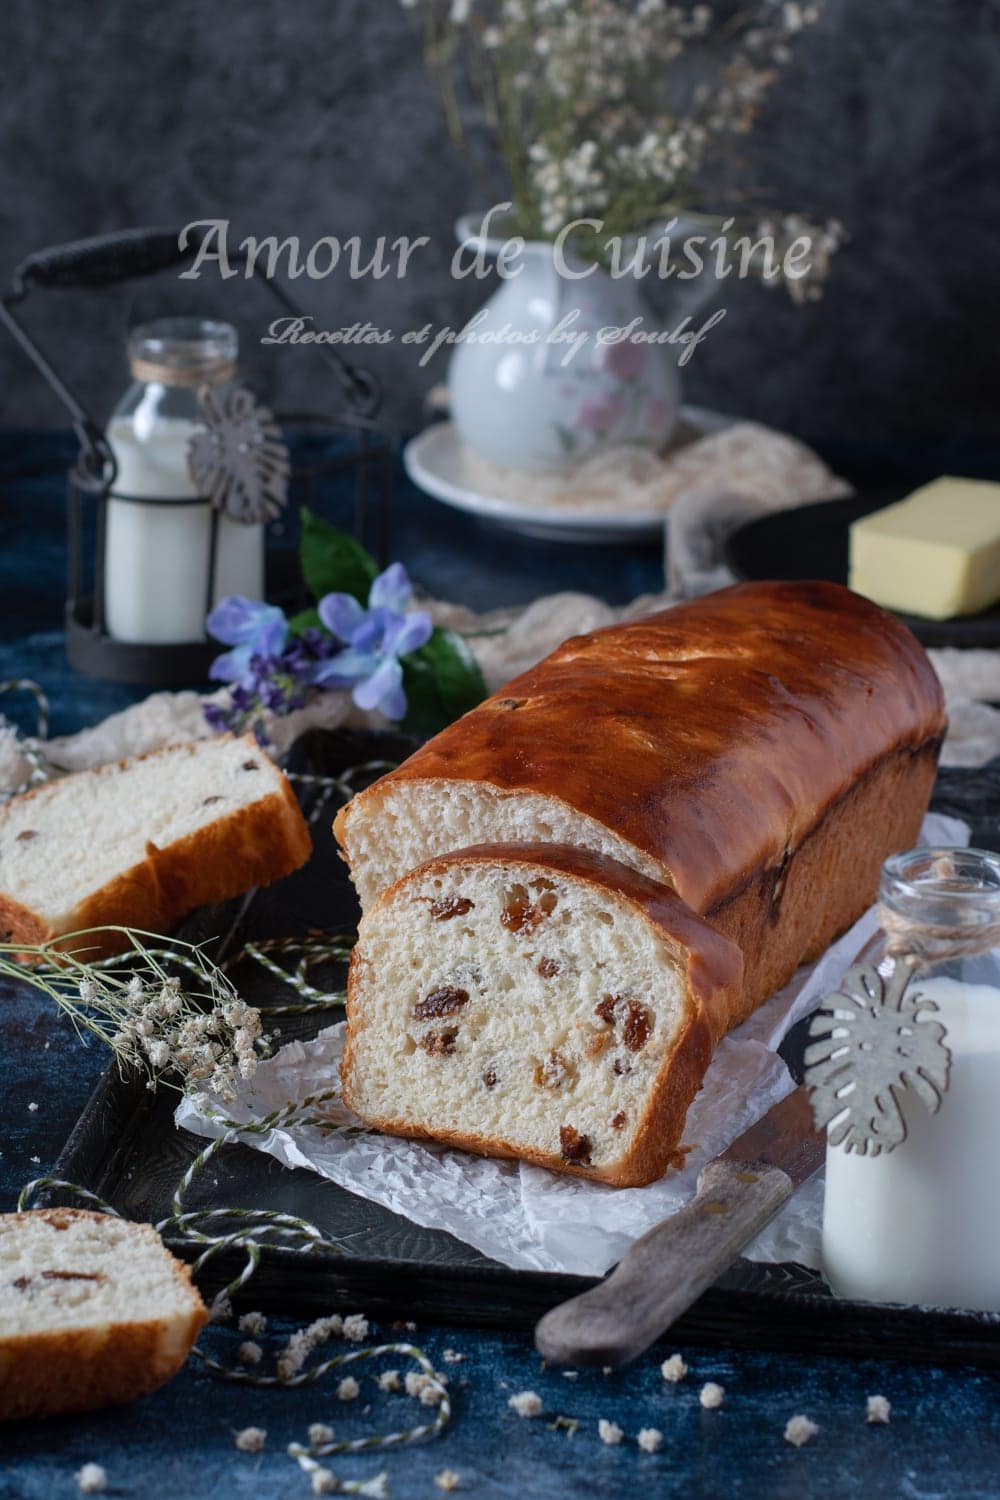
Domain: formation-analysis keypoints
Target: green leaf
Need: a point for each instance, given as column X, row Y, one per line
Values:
column 442, row 681
column 332, row 561
column 306, row 619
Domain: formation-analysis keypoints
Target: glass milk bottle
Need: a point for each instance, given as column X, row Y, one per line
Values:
column 159, row 546
column 921, row 1223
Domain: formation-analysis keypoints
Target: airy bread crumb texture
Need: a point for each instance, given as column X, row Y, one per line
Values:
column 94, row 1310
column 75, row 835
column 512, row 1005
column 416, row 822
column 62, row 1272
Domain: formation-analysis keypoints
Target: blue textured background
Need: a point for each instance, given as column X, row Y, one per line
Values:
column 944, row 1440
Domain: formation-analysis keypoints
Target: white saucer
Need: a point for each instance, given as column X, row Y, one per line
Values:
column 435, row 461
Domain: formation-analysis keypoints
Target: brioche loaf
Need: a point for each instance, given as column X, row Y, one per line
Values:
column 144, row 842
column 93, row 1311
column 539, row 1002
column 760, row 751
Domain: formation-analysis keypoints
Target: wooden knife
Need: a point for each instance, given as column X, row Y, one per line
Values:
column 667, row 1270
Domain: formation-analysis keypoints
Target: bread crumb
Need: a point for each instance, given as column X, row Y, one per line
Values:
column 447, row 1479
column 355, row 1328
column 389, row 1380
column 36, row 1160
column 799, row 1430
column 453, row 1357
column 526, row 1403
column 324, row 1482
column 250, row 1353
column 424, row 1388
column 251, row 1439
column 252, row 1322
column 609, row 1432
column 650, row 1439
column 711, row 1395
column 32, row 1107
column 879, row 1409
column 348, row 1389
column 91, row 1479
column 571, row 1374
column 410, row 1327
column 674, row 1368
column 320, row 1433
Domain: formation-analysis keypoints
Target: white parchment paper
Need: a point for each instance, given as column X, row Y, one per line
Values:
column 527, row 1217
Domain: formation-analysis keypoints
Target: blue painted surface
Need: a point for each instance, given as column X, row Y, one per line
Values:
column 944, row 1439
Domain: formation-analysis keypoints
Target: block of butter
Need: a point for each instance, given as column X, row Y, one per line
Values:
column 936, row 553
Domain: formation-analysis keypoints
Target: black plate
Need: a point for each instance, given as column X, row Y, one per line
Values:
column 811, row 541
column 126, row 1148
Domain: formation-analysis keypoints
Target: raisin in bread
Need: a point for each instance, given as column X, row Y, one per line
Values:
column 536, row 1002
column 143, row 842
column 760, row 751
column 93, row 1310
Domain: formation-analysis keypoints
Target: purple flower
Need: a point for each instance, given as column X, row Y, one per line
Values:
column 252, row 628
column 373, row 641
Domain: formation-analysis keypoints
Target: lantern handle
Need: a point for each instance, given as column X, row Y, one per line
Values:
column 104, row 259
column 126, row 254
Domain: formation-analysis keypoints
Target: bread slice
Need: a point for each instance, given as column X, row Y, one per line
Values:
column 93, row 1311
column 539, row 1002
column 144, row 842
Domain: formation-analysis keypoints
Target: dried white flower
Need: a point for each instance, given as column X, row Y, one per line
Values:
column 650, row 1439
column 674, row 1368
column 324, row 1482
column 32, row 1107
column 447, row 1479
column 91, row 1479
column 799, row 1430
column 526, row 1403
column 711, row 1395
column 389, row 1381
column 320, row 1433
column 252, row 1322
column 250, row 1353
column 879, row 1409
column 609, row 1432
column 453, row 1357
column 250, row 1439
column 348, row 1389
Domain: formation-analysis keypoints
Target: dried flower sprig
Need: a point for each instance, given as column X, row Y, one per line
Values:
column 621, row 111
column 192, row 1033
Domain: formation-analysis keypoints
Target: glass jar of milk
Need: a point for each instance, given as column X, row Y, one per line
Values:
column 168, row 555
column 921, row 1223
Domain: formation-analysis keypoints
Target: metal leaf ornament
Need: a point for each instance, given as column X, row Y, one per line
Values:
column 874, row 1040
column 237, row 459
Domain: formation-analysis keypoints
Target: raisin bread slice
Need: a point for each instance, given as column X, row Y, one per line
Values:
column 143, row 842
column 539, row 1002
column 93, row 1311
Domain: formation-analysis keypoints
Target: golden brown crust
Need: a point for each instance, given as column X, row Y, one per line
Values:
column 86, row 1368
column 711, row 737
column 254, row 845
column 713, row 970
column 788, row 914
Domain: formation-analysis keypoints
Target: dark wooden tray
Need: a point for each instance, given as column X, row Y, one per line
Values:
column 126, row 1148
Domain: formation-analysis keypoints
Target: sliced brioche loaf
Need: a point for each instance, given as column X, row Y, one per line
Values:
column 143, row 842
column 759, row 750
column 539, row 1002
column 93, row 1311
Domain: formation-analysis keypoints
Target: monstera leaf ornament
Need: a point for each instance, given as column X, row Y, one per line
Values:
column 874, row 1040
column 237, row 459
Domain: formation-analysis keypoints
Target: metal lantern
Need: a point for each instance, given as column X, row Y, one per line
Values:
column 233, row 478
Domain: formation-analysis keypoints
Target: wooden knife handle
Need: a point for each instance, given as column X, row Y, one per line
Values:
column 667, row 1270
